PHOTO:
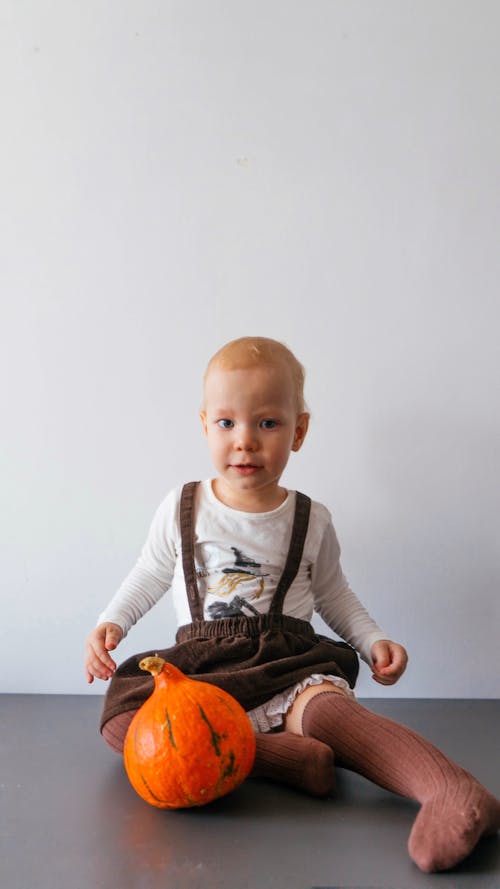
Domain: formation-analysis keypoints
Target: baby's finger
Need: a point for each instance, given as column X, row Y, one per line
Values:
column 384, row 680
column 101, row 653
column 399, row 666
column 109, row 663
column 384, row 672
column 97, row 669
column 98, row 664
column 389, row 671
column 113, row 637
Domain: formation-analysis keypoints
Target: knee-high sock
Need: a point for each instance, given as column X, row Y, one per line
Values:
column 301, row 762
column 115, row 729
column 456, row 809
column 282, row 756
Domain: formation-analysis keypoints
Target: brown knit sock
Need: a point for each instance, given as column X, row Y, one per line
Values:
column 292, row 759
column 456, row 809
column 115, row 729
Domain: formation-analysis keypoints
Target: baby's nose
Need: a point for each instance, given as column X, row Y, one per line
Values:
column 246, row 440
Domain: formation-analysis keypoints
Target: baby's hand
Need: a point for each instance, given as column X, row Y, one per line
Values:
column 97, row 660
column 389, row 661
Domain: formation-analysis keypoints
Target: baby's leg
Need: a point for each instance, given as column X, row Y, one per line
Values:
column 456, row 810
column 291, row 759
column 115, row 729
column 282, row 756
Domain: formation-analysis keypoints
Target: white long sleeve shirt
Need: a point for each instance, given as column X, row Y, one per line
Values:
column 239, row 559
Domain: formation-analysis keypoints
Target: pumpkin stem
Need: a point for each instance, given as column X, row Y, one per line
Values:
column 153, row 664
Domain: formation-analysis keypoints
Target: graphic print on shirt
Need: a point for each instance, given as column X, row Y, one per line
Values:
column 246, row 571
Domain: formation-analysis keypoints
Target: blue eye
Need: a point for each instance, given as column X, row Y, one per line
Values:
column 268, row 424
column 225, row 424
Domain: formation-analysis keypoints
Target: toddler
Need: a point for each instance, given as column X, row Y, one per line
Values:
column 247, row 563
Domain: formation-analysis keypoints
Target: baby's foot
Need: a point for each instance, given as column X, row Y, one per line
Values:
column 448, row 826
column 292, row 759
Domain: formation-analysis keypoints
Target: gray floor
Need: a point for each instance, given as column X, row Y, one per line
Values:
column 70, row 820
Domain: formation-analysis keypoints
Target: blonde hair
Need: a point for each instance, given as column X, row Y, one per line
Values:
column 255, row 351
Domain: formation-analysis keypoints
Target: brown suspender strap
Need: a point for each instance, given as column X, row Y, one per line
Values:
column 299, row 531
column 187, row 542
column 298, row 536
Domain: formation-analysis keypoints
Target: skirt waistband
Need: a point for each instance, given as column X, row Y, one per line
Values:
column 244, row 626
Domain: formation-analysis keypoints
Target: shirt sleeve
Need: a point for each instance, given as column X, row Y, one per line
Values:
column 337, row 604
column 151, row 576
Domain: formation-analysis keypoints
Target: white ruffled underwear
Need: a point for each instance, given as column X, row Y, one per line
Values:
column 271, row 714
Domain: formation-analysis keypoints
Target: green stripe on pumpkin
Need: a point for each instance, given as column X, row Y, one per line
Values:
column 214, row 736
column 148, row 788
column 167, row 724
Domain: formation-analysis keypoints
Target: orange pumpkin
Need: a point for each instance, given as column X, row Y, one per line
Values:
column 189, row 743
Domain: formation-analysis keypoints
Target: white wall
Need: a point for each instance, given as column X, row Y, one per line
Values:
column 176, row 174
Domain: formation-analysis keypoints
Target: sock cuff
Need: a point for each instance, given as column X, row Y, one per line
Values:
column 320, row 694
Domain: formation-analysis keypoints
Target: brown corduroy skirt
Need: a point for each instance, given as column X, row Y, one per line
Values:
column 252, row 658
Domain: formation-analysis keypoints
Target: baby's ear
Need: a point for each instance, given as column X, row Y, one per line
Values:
column 301, row 428
column 203, row 418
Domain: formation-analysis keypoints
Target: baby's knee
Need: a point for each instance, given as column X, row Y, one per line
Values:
column 293, row 718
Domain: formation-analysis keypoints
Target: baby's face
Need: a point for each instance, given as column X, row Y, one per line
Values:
column 251, row 423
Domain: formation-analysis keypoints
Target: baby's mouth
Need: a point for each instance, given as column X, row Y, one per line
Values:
column 245, row 467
